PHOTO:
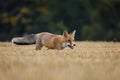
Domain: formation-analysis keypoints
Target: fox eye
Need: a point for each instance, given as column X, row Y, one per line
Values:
column 69, row 40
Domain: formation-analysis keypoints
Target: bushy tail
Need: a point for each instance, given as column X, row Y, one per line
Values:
column 26, row 40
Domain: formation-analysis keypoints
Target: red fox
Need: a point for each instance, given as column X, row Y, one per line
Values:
column 49, row 40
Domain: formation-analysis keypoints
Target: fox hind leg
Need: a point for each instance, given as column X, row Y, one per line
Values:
column 38, row 45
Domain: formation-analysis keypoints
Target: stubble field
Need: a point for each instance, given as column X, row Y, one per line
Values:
column 87, row 61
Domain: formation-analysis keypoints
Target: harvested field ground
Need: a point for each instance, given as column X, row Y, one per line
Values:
column 87, row 61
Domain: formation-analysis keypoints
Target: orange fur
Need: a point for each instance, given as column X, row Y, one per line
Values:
column 52, row 41
column 49, row 40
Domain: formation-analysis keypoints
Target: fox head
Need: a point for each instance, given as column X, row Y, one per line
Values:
column 69, row 39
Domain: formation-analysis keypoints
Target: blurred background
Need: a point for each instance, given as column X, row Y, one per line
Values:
column 96, row 20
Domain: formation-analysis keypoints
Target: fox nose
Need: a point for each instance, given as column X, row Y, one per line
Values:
column 74, row 44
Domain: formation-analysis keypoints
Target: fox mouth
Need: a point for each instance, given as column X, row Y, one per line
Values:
column 70, row 46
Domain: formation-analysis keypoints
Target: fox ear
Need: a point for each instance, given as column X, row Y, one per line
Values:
column 65, row 33
column 73, row 33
